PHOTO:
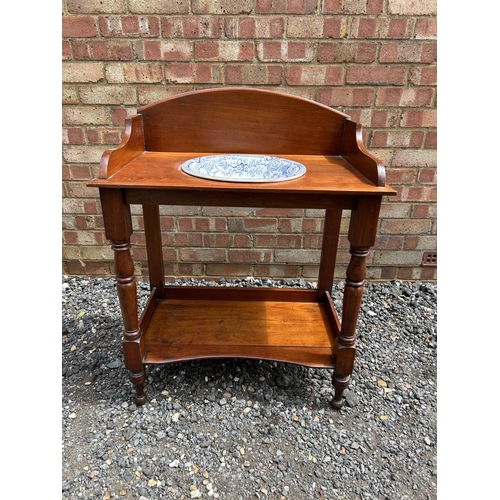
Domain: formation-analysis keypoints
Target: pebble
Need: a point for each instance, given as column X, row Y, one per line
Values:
column 252, row 429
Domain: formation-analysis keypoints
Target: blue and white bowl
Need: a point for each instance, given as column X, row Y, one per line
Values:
column 244, row 168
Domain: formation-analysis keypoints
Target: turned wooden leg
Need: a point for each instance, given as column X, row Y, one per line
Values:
column 353, row 293
column 362, row 234
column 127, row 295
column 118, row 225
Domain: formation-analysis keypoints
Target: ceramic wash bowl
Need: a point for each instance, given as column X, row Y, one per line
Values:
column 244, row 168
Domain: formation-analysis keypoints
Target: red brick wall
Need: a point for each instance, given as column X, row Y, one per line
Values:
column 373, row 59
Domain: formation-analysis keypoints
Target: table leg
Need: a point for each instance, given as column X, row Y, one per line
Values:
column 118, row 226
column 333, row 218
column 362, row 234
column 353, row 293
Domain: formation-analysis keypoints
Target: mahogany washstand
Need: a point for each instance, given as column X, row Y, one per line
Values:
column 286, row 325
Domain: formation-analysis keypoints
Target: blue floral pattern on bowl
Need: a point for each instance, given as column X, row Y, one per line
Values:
column 244, row 168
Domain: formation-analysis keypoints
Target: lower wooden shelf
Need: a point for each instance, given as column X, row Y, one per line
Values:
column 187, row 329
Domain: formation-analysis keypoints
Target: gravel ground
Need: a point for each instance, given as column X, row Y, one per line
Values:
column 238, row 429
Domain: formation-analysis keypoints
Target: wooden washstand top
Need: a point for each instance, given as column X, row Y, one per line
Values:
column 165, row 134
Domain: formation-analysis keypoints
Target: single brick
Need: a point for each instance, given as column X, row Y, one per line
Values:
column 389, row 273
column 414, row 158
column 311, row 241
column 202, row 254
column 422, row 75
column 79, row 189
column 82, row 154
column 82, row 72
column 427, row 176
column 102, row 50
column 73, row 135
column 312, row 225
column 78, row 27
column 405, row 97
column 217, row 240
column 223, row 51
column 398, row 258
column 104, row 135
column 345, row 96
column 354, row 6
column 151, row 93
column 260, row 224
column 229, row 269
column 419, row 118
column 331, row 7
column 297, row 256
column 397, row 138
column 66, row 50
column 427, row 273
column 109, row 94
column 96, row 6
column 241, row 241
column 69, row 94
column 289, row 241
column 193, row 73
column 249, row 74
column 79, row 267
column 97, row 253
column 222, row 6
column 431, row 139
column 191, row 27
column 385, row 75
column 389, row 243
column 365, row 28
column 246, row 256
column 285, row 6
column 165, row 50
column 412, row 7
column 406, row 226
column 287, row 51
column 425, row 243
column 82, row 115
column 315, row 27
column 374, row 6
column 426, row 28
column 398, row 176
column 395, row 211
column 340, row 52
column 381, row 28
column 133, row 73
column 315, row 75
column 408, row 52
column 400, row 28
column 290, row 225
column 254, row 27
column 409, row 193
column 376, row 118
column 159, row 6
column 188, row 239
column 278, row 271
column 424, row 211
column 129, row 26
